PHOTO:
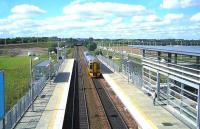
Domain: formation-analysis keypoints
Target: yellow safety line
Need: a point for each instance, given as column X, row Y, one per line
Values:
column 144, row 115
column 136, row 105
column 53, row 116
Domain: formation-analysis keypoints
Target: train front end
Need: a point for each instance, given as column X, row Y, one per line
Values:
column 95, row 69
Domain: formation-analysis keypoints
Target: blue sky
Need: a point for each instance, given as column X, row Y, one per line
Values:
column 158, row 19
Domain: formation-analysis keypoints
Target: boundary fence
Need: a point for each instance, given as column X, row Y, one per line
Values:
column 13, row 116
column 130, row 70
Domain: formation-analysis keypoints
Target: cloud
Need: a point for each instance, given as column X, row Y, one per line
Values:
column 117, row 20
column 156, row 20
column 21, row 19
column 145, row 18
column 24, row 11
column 138, row 18
column 103, row 9
column 195, row 17
column 152, row 18
column 80, row 1
column 170, row 4
column 27, row 9
column 99, row 20
column 173, row 16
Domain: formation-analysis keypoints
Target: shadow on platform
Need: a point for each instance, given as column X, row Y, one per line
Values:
column 62, row 77
column 105, row 69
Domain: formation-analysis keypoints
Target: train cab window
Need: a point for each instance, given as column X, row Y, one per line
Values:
column 90, row 65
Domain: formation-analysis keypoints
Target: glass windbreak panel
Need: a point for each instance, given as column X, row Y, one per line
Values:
column 190, row 92
column 190, row 59
column 180, row 59
column 151, row 54
column 175, row 94
column 173, row 59
column 176, row 86
column 189, row 115
column 163, row 78
column 163, row 84
column 175, row 103
column 190, row 104
column 187, row 61
column 164, row 57
column 145, row 74
column 145, row 70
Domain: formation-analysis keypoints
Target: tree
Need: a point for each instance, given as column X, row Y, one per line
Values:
column 92, row 46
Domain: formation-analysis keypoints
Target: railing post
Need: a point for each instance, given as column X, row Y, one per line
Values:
column 158, row 84
column 198, row 109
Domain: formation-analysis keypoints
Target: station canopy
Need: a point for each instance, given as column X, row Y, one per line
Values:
column 185, row 50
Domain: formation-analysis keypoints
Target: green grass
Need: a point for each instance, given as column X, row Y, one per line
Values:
column 32, row 45
column 16, row 78
column 17, row 75
column 69, row 52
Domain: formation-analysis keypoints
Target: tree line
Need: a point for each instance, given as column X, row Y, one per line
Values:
column 20, row 40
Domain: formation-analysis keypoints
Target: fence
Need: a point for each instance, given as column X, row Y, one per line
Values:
column 111, row 65
column 132, row 71
column 14, row 115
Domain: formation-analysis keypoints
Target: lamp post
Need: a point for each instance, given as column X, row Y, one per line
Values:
column 49, row 54
column 65, row 52
column 31, row 54
column 58, row 50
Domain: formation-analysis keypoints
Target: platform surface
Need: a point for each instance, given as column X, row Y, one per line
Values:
column 140, row 105
column 49, row 107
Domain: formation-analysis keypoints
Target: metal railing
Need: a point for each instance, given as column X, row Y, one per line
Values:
column 13, row 116
column 109, row 63
column 130, row 74
column 178, row 70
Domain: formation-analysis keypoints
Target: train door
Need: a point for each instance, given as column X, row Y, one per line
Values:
column 91, row 69
column 95, row 69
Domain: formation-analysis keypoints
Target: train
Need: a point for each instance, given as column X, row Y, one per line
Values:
column 79, row 44
column 93, row 65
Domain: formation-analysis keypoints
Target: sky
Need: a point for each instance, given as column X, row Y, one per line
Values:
column 130, row 19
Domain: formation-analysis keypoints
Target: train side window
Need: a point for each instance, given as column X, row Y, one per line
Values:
column 98, row 65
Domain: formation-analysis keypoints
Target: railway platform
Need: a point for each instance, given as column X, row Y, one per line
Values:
column 140, row 105
column 50, row 105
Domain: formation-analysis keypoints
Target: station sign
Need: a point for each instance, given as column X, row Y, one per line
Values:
column 2, row 95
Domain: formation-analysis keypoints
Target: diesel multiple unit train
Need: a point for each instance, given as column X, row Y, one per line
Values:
column 93, row 65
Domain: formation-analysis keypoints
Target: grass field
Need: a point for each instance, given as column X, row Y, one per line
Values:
column 16, row 78
column 30, row 45
column 17, row 75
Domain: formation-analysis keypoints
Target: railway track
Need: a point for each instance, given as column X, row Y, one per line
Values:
column 89, row 106
column 113, row 116
column 76, row 115
column 83, row 113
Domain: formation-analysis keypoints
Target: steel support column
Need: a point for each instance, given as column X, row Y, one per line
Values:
column 159, row 56
column 175, row 59
column 198, row 61
column 169, row 57
column 158, row 84
column 143, row 53
column 198, row 109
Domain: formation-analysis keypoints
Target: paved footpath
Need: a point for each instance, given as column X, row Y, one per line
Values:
column 49, row 107
column 140, row 105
